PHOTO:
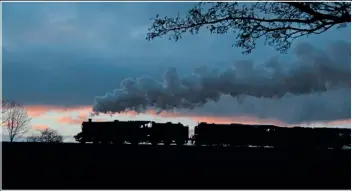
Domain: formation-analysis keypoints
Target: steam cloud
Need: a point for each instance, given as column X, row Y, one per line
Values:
column 313, row 71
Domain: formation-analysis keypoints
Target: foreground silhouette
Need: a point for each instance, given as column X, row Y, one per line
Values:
column 99, row 166
column 222, row 157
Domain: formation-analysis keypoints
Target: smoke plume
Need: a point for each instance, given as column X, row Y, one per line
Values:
column 313, row 71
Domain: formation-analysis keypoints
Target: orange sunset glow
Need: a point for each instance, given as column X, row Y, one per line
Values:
column 65, row 116
column 40, row 127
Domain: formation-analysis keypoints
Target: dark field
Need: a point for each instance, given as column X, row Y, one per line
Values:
column 75, row 166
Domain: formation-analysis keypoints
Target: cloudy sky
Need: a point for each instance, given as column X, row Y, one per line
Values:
column 58, row 57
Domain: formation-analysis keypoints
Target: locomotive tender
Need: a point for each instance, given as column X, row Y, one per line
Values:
column 234, row 135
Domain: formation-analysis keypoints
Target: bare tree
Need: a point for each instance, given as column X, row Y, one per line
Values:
column 3, row 103
column 15, row 119
column 280, row 23
column 47, row 136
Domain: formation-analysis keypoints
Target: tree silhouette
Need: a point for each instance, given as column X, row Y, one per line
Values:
column 15, row 119
column 46, row 136
column 280, row 23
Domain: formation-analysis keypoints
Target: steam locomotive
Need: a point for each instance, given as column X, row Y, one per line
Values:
column 233, row 135
column 133, row 132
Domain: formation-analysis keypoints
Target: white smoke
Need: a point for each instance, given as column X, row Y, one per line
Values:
column 313, row 71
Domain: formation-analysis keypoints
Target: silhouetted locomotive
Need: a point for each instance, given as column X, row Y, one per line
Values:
column 233, row 135
column 134, row 132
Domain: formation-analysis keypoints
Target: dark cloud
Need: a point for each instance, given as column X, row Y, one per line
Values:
column 68, row 79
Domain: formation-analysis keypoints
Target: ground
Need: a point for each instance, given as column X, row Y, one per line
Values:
column 76, row 166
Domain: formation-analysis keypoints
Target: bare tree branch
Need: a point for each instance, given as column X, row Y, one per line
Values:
column 280, row 23
column 15, row 119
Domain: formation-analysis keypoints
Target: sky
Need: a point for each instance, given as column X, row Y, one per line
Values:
column 59, row 57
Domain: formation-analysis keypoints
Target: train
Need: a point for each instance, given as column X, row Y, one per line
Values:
column 213, row 135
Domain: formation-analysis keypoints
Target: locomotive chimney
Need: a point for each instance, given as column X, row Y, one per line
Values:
column 89, row 120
